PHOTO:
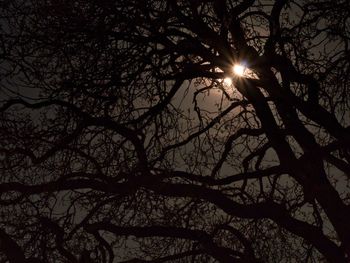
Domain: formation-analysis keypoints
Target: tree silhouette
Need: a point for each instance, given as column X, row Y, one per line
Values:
column 126, row 136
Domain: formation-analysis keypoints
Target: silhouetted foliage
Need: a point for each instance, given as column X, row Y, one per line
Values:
column 127, row 137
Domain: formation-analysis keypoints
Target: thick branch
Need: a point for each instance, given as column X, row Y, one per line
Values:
column 220, row 253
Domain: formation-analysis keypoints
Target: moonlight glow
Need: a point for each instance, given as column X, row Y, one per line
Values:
column 238, row 69
column 228, row 81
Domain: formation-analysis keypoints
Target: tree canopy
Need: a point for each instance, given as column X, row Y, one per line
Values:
column 126, row 135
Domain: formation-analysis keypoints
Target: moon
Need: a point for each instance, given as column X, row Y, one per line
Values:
column 238, row 70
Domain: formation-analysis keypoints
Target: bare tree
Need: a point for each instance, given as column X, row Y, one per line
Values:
column 128, row 136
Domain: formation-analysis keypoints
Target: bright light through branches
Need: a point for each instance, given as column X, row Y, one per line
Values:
column 238, row 69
